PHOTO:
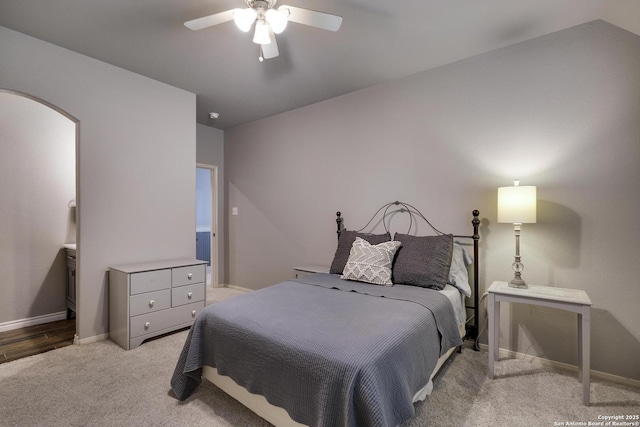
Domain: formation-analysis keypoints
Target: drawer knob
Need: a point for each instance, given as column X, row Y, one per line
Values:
column 193, row 313
column 189, row 276
column 189, row 295
column 146, row 325
column 151, row 303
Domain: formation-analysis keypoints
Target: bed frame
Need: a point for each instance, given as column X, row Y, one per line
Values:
column 280, row 417
column 389, row 209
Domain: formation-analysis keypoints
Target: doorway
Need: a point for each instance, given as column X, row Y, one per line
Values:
column 38, row 216
column 207, row 219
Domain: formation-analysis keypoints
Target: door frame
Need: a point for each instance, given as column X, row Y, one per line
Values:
column 213, row 250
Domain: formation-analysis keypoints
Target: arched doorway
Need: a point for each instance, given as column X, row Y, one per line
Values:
column 38, row 213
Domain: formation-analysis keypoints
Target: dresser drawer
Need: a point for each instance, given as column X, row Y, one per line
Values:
column 164, row 319
column 150, row 281
column 187, row 313
column 188, row 275
column 187, row 294
column 149, row 302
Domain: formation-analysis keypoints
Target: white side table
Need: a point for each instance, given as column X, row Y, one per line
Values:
column 305, row 270
column 574, row 300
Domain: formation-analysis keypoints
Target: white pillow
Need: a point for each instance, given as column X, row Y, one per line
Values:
column 370, row 263
column 458, row 275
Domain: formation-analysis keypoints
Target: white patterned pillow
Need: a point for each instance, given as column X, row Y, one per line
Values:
column 370, row 263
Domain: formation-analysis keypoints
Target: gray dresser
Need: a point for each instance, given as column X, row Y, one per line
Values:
column 150, row 299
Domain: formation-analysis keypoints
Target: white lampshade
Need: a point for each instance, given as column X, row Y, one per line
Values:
column 244, row 18
column 278, row 20
column 517, row 204
column 262, row 33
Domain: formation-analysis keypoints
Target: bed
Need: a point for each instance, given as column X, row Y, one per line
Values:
column 357, row 346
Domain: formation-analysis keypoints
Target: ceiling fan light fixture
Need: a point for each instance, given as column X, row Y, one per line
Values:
column 277, row 19
column 261, row 35
column 244, row 18
column 269, row 21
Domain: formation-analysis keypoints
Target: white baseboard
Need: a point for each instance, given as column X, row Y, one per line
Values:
column 90, row 340
column 31, row 321
column 510, row 354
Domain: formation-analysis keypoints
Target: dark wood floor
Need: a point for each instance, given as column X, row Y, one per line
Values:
column 36, row 339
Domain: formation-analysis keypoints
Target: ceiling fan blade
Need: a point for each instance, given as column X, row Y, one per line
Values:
column 270, row 50
column 209, row 21
column 321, row 20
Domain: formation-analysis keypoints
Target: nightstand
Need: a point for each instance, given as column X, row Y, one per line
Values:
column 305, row 270
column 574, row 300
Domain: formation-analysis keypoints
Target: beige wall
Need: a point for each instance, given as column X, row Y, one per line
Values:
column 623, row 13
column 560, row 112
column 136, row 151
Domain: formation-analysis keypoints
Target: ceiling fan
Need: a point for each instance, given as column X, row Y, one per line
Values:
column 269, row 22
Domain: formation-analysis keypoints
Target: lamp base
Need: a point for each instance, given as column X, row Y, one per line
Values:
column 517, row 282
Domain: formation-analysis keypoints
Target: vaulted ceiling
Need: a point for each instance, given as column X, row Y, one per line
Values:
column 378, row 41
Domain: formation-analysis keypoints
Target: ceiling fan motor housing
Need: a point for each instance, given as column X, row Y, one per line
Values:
column 261, row 5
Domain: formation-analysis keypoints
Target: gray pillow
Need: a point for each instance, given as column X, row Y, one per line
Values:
column 344, row 247
column 458, row 275
column 423, row 261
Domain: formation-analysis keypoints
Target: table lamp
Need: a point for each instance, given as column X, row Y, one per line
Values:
column 517, row 205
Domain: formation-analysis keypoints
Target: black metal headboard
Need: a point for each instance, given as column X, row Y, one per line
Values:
column 472, row 322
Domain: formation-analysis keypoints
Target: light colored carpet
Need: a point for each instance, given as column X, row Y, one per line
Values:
column 101, row 384
column 218, row 294
column 523, row 393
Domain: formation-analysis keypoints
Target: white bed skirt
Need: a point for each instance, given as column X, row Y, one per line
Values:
column 278, row 416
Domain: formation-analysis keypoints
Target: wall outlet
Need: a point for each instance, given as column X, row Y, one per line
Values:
column 234, row 211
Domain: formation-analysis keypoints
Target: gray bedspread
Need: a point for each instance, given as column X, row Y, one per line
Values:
column 331, row 352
